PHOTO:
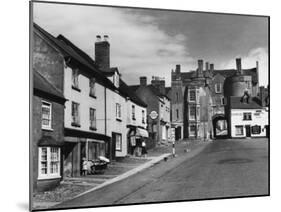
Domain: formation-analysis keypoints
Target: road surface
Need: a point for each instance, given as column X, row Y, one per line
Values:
column 224, row 168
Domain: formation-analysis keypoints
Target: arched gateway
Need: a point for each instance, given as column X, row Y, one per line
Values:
column 220, row 127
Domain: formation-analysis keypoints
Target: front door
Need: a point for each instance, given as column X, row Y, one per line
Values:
column 113, row 146
column 178, row 133
column 248, row 130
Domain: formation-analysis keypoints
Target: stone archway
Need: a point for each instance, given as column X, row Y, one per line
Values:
column 220, row 126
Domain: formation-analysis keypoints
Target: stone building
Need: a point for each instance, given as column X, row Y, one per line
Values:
column 213, row 85
column 158, row 109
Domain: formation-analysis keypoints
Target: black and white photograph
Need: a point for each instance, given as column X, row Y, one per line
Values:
column 135, row 105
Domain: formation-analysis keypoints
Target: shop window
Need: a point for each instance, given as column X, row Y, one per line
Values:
column 46, row 115
column 256, row 129
column 49, row 162
column 239, row 130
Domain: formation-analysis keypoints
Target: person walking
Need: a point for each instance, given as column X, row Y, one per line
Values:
column 143, row 150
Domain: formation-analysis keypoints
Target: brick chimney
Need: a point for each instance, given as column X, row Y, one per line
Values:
column 102, row 53
column 207, row 66
column 238, row 66
column 178, row 69
column 211, row 68
column 143, row 81
column 159, row 83
column 200, row 68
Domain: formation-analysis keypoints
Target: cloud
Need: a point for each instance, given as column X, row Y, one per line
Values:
column 259, row 54
column 138, row 46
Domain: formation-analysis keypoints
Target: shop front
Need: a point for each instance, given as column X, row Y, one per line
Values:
column 136, row 136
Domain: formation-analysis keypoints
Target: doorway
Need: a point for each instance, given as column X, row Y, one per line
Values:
column 248, row 130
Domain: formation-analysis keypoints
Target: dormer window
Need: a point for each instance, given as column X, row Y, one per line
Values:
column 92, row 87
column 116, row 80
column 75, row 82
column 245, row 98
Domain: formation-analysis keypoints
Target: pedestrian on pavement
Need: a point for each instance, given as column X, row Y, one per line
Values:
column 143, row 150
column 84, row 167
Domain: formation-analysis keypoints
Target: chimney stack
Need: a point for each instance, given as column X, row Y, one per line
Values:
column 207, row 66
column 102, row 53
column 178, row 69
column 159, row 83
column 143, row 81
column 238, row 66
column 200, row 68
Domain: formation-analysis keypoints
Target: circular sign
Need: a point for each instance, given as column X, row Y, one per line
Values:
column 153, row 114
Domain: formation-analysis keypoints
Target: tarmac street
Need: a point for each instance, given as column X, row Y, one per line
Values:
column 222, row 168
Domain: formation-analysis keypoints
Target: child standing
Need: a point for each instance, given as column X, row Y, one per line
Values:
column 84, row 167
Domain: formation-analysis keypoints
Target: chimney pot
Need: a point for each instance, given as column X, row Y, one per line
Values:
column 143, row 81
column 105, row 37
column 211, row 67
column 200, row 68
column 238, row 66
column 207, row 66
column 98, row 38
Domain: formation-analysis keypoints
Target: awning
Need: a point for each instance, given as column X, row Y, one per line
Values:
column 142, row 133
column 49, row 141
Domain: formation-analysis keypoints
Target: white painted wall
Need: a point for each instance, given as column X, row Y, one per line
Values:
column 85, row 102
column 138, row 114
column 164, row 113
column 114, row 125
column 237, row 119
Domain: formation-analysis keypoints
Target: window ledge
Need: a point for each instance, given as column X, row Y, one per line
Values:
column 48, row 177
column 76, row 88
column 93, row 96
column 118, row 119
column 47, row 129
column 75, row 124
column 93, row 128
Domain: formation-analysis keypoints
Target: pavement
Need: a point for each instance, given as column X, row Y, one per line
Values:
column 116, row 171
column 217, row 169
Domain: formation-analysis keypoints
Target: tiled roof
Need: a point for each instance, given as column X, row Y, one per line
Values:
column 131, row 93
column 236, row 103
column 42, row 84
column 70, row 50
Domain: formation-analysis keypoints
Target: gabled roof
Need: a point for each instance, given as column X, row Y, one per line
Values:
column 131, row 94
column 68, row 49
column 237, row 103
column 42, row 84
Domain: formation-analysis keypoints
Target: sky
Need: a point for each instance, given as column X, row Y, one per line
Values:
column 151, row 42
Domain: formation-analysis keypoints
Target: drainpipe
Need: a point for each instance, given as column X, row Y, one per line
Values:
column 105, row 117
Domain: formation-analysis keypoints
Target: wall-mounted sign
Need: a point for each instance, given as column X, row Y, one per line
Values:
column 153, row 114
